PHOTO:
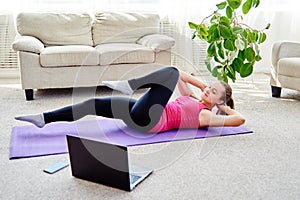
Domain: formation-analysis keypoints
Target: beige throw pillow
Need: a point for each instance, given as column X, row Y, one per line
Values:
column 57, row 28
column 28, row 44
column 123, row 27
column 157, row 42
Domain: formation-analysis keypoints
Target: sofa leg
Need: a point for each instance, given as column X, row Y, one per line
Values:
column 29, row 94
column 275, row 91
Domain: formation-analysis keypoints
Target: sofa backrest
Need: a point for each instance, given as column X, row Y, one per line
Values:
column 123, row 26
column 57, row 28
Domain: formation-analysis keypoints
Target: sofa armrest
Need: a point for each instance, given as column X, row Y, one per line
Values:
column 157, row 42
column 285, row 49
column 28, row 44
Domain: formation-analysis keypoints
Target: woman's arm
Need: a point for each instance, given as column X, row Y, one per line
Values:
column 233, row 118
column 187, row 78
column 183, row 87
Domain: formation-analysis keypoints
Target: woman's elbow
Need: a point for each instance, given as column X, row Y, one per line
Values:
column 241, row 121
column 237, row 121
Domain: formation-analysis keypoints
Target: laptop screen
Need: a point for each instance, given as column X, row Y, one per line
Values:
column 99, row 162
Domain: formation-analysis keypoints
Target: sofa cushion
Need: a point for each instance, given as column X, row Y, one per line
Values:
column 289, row 67
column 124, row 53
column 157, row 42
column 56, row 28
column 123, row 27
column 70, row 55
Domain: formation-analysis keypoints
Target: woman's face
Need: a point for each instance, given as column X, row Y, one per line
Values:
column 213, row 94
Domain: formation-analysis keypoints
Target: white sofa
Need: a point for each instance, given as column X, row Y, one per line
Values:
column 67, row 50
column 285, row 70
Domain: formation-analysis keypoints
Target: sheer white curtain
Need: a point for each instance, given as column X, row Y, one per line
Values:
column 284, row 17
column 188, row 54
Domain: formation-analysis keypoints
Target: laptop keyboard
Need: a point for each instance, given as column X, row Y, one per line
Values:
column 134, row 178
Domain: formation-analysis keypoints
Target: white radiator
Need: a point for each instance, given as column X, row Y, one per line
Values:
column 187, row 53
column 8, row 58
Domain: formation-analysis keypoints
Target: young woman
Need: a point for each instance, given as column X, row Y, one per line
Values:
column 153, row 112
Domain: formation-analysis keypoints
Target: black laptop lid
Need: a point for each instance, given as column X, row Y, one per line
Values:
column 99, row 162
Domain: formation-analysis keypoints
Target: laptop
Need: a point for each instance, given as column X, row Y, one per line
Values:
column 104, row 163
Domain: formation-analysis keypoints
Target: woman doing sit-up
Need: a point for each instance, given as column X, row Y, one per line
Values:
column 153, row 112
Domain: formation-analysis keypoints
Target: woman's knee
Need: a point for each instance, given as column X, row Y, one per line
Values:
column 173, row 75
column 174, row 71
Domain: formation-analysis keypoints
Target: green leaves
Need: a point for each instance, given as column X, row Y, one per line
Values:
column 246, row 70
column 256, row 3
column 234, row 4
column 233, row 47
column 200, row 30
column 211, row 50
column 237, row 29
column 237, row 63
column 239, row 44
column 247, row 6
column 229, row 45
column 192, row 25
column 249, row 54
column 221, row 5
column 229, row 12
column 230, row 72
column 225, row 31
column 262, row 38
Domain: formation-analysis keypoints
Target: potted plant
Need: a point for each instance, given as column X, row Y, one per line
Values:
column 233, row 46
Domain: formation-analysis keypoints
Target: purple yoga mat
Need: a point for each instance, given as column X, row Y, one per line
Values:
column 29, row 141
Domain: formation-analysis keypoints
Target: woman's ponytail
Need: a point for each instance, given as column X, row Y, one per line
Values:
column 230, row 103
column 227, row 98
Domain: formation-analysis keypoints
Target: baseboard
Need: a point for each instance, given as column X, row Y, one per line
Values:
column 6, row 73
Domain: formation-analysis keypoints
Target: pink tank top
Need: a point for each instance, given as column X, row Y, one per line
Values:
column 181, row 113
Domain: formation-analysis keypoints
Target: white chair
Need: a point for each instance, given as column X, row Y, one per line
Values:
column 285, row 70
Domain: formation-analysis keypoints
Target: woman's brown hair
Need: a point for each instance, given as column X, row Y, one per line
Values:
column 227, row 97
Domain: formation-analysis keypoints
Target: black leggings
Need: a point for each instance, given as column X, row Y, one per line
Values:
column 142, row 114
